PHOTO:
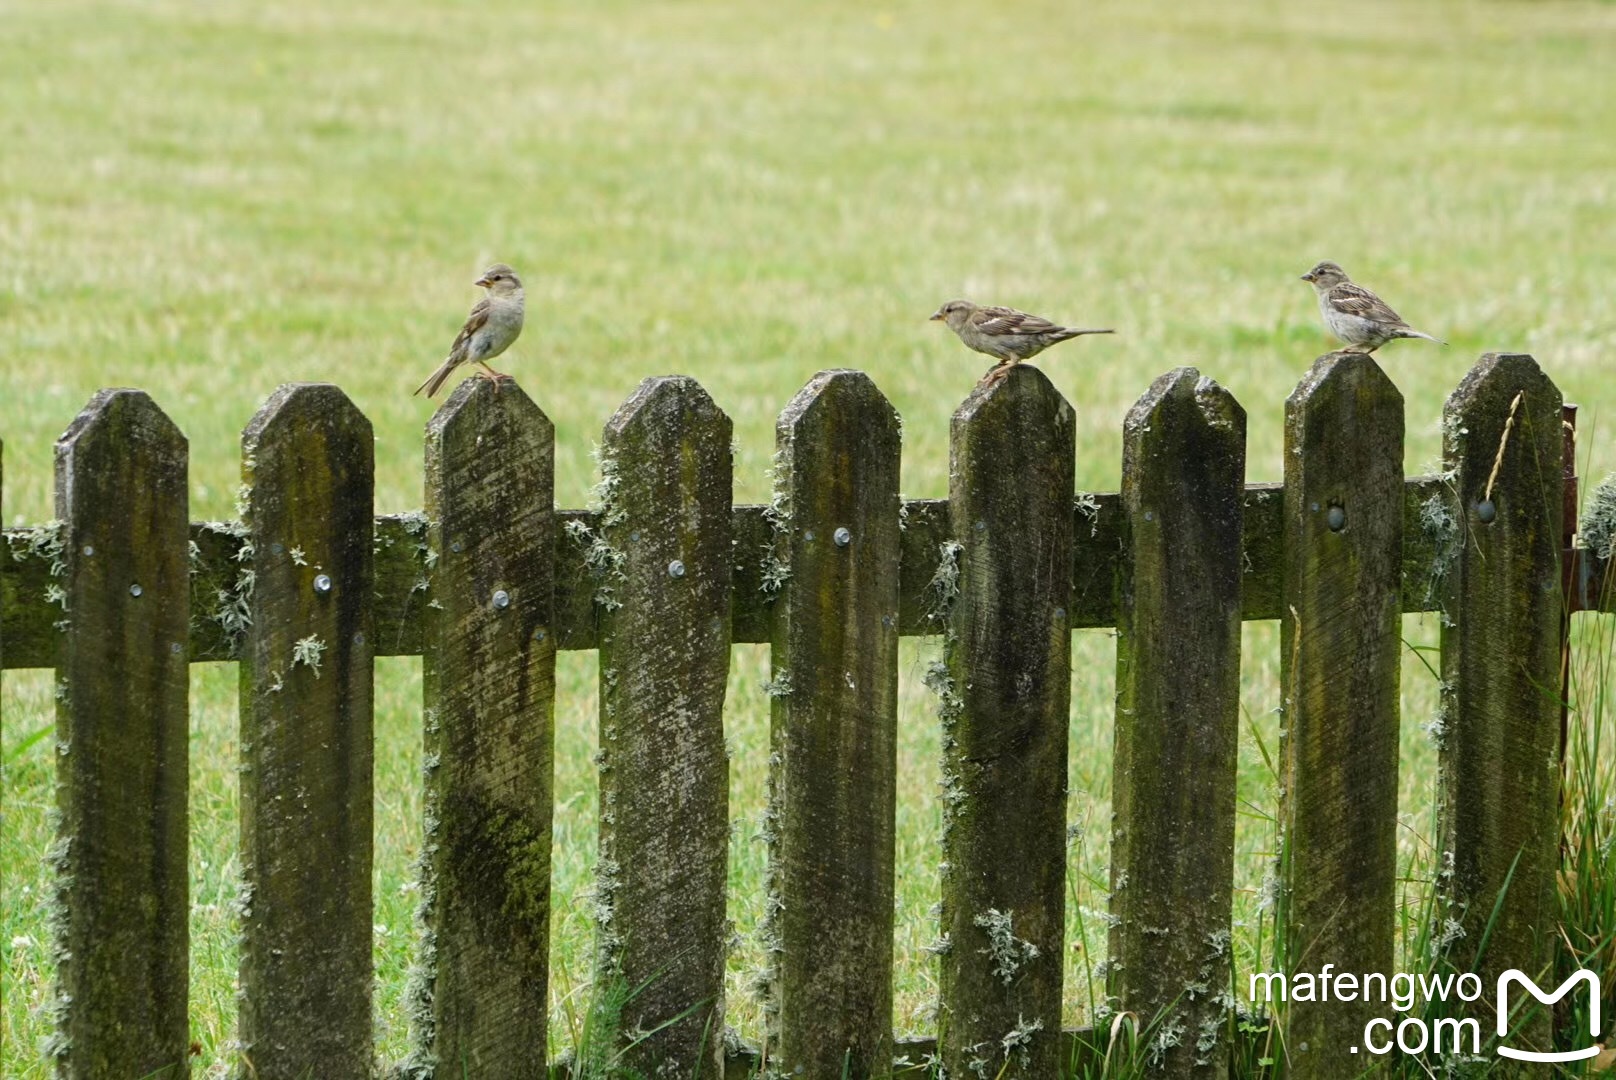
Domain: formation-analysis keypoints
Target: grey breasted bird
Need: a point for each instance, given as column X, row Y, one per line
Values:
column 1008, row 335
column 494, row 323
column 1354, row 314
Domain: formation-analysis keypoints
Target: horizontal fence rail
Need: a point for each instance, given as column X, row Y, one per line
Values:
column 402, row 557
column 310, row 586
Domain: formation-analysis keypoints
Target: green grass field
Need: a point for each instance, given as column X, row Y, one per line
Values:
column 207, row 200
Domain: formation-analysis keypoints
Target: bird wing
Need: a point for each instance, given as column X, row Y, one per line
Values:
column 1350, row 299
column 1004, row 321
column 474, row 322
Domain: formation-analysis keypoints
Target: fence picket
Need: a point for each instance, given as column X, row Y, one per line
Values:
column 833, row 765
column 1500, row 718
column 1005, row 688
column 305, row 1005
column 1339, row 664
column 121, row 731
column 480, row 995
column 664, row 556
column 1178, row 698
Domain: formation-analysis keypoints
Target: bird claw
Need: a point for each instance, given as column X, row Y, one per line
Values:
column 995, row 374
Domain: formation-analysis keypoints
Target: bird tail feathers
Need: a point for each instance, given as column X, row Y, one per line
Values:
column 1072, row 332
column 1427, row 337
column 435, row 382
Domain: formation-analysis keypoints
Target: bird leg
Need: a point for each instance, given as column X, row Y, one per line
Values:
column 491, row 375
column 997, row 372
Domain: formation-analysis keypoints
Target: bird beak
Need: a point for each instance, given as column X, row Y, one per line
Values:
column 936, row 316
column 1307, row 277
column 484, row 282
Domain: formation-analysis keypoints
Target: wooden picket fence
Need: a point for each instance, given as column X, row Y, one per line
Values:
column 124, row 591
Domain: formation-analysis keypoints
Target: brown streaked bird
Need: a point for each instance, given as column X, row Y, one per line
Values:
column 494, row 323
column 1357, row 316
column 1008, row 335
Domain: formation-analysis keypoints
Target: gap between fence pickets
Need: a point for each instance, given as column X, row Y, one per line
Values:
column 403, row 568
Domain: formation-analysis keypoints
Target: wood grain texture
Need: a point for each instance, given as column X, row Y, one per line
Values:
column 833, row 761
column 1500, row 720
column 306, row 739
column 1004, row 690
column 121, row 743
column 402, row 553
column 480, row 998
column 1178, row 700
column 664, row 594
column 1340, row 658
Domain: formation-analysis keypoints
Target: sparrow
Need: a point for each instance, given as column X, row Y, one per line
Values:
column 1354, row 314
column 494, row 323
column 1005, row 333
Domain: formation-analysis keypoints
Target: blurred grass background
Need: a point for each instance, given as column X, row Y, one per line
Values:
column 206, row 200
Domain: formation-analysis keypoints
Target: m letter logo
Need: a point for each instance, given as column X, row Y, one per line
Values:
column 1515, row 975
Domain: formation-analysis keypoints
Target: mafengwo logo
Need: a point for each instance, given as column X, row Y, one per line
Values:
column 1415, row 1034
column 1514, row 975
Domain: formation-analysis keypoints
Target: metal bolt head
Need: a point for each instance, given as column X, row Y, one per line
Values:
column 322, row 583
column 676, row 569
column 1336, row 518
column 89, row 549
column 457, row 547
column 1486, row 512
column 135, row 590
column 843, row 537
column 502, row 599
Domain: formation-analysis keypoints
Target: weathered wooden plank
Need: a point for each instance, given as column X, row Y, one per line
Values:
column 666, row 561
column 1430, row 541
column 1004, row 689
column 1340, row 659
column 479, row 994
column 1499, row 723
column 1178, row 700
column 121, row 729
column 833, row 762
column 306, row 742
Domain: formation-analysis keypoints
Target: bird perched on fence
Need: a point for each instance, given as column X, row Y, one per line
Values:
column 1354, row 314
column 1009, row 335
column 1004, row 333
column 494, row 323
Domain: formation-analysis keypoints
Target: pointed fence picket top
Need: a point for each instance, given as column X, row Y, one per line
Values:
column 121, row 740
column 1178, row 700
column 480, row 993
column 1499, row 723
column 1005, row 687
column 664, row 560
column 306, row 742
column 833, row 760
column 1339, row 666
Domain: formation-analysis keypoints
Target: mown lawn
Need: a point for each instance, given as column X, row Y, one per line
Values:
column 206, row 200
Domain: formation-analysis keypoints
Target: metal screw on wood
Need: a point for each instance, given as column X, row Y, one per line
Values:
column 89, row 549
column 843, row 537
column 1486, row 511
column 502, row 599
column 135, row 590
column 322, row 583
column 676, row 569
column 1337, row 518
